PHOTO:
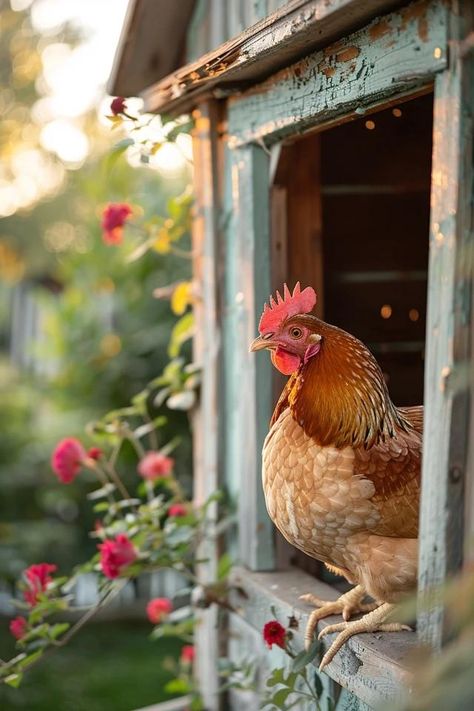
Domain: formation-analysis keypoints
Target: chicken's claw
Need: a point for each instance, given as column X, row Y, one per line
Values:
column 372, row 622
column 348, row 604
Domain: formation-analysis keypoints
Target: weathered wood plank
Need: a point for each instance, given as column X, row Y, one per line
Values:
column 295, row 29
column 248, row 285
column 207, row 354
column 449, row 328
column 391, row 56
column 371, row 666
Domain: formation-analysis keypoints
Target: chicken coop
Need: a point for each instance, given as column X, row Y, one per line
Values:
column 333, row 145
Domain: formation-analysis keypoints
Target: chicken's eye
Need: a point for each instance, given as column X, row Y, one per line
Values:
column 296, row 332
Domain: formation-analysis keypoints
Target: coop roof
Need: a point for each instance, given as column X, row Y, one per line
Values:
column 150, row 58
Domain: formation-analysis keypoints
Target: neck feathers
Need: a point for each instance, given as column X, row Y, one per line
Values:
column 340, row 397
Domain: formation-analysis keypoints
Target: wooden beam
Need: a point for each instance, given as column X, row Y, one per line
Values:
column 447, row 447
column 207, row 354
column 292, row 31
column 393, row 55
column 249, row 398
column 371, row 666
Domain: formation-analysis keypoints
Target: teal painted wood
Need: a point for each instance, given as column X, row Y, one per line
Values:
column 449, row 330
column 207, row 346
column 392, row 55
column 249, row 393
column 372, row 667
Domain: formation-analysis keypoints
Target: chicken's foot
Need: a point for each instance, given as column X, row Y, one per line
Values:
column 372, row 622
column 348, row 604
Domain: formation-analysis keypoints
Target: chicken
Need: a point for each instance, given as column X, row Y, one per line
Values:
column 341, row 466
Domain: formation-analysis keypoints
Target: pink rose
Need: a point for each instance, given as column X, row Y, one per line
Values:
column 116, row 554
column 67, row 459
column 114, row 217
column 37, row 579
column 177, row 510
column 118, row 105
column 158, row 608
column 155, row 465
column 18, row 627
column 187, row 654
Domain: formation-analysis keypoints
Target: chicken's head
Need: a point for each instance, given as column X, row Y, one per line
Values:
column 286, row 330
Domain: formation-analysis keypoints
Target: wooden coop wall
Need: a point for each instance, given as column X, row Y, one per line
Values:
column 216, row 21
column 384, row 69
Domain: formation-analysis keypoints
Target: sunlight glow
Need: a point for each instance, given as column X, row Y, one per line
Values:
column 66, row 140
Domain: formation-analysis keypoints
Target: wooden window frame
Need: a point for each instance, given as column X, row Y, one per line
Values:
column 425, row 54
column 427, row 51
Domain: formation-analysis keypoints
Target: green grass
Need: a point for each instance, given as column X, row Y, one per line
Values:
column 109, row 666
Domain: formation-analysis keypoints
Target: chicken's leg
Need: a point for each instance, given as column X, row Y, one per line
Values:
column 348, row 604
column 372, row 622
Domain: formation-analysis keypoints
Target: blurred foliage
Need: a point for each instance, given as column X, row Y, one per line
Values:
column 117, row 682
column 99, row 336
column 446, row 681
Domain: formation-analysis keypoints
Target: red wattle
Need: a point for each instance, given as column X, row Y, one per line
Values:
column 285, row 361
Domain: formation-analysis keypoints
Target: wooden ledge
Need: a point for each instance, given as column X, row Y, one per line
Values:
column 372, row 666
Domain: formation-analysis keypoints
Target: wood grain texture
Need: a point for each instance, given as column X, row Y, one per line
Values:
column 447, row 447
column 389, row 57
column 207, row 347
column 249, row 403
column 371, row 666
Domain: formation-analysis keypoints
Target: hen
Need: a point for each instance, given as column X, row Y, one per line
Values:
column 341, row 465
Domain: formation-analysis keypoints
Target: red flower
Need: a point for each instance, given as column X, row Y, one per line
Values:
column 37, row 579
column 155, row 465
column 18, row 627
column 114, row 217
column 158, row 608
column 94, row 453
column 274, row 633
column 118, row 105
column 177, row 510
column 116, row 554
column 67, row 459
column 187, row 654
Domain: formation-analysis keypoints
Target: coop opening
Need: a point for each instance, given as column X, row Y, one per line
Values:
column 350, row 216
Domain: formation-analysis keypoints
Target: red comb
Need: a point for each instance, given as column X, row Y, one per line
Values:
column 299, row 302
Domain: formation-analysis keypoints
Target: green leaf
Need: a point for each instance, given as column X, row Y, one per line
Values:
column 177, row 686
column 276, row 677
column 305, row 657
column 13, row 680
column 58, row 629
column 318, row 684
column 182, row 331
column 30, row 659
column 224, row 566
column 280, row 697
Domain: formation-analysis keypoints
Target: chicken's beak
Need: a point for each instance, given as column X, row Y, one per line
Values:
column 260, row 343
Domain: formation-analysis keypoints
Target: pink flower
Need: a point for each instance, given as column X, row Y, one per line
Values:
column 37, row 579
column 67, row 459
column 118, row 105
column 18, row 627
column 177, row 510
column 94, row 453
column 187, row 654
column 158, row 608
column 274, row 633
column 114, row 217
column 155, row 465
column 116, row 554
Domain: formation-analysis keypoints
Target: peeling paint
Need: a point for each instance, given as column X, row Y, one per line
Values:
column 380, row 29
column 418, row 11
column 347, row 54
